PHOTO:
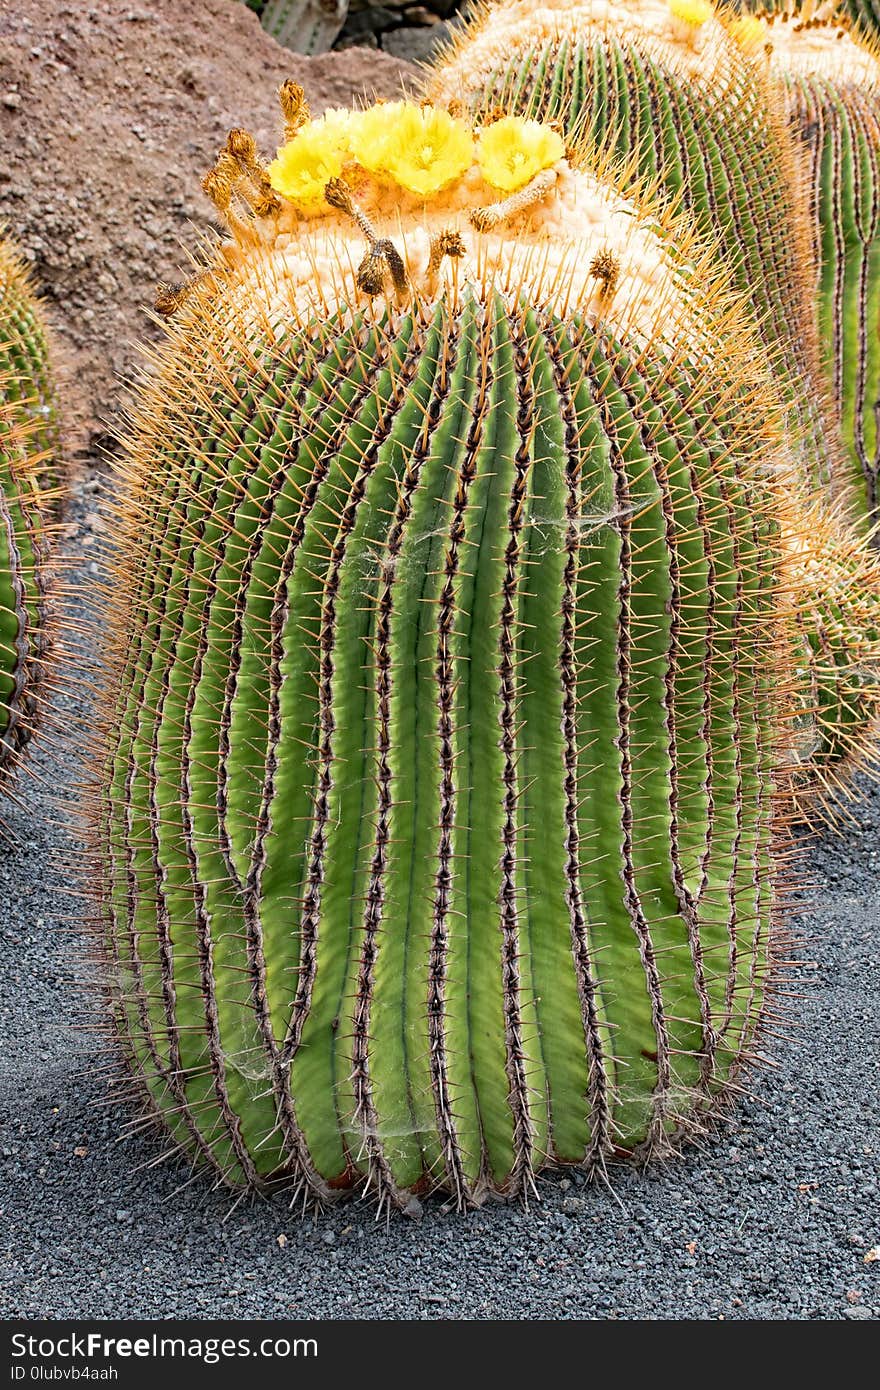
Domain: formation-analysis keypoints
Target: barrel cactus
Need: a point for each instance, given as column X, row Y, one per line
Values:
column 29, row 474
column 448, row 667
column 831, row 83
column 306, row 26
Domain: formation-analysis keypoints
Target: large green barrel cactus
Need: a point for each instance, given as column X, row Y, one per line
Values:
column 449, row 660
column 664, row 86
column 29, row 463
column 831, row 83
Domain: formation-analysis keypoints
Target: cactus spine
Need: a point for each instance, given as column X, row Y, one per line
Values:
column 445, row 672
column 866, row 13
column 29, row 462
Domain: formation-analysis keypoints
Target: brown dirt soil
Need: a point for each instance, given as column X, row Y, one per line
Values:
column 109, row 115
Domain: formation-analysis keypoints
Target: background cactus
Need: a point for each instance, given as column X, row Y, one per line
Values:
column 29, row 474
column 695, row 109
column 865, row 13
column 666, row 87
column 837, row 577
column 449, row 665
column 307, row 26
column 831, row 82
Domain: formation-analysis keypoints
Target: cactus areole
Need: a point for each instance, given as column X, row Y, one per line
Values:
column 437, row 798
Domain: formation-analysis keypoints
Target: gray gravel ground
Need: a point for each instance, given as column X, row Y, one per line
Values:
column 778, row 1217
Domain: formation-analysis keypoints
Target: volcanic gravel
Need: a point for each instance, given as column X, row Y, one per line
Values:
column 108, row 114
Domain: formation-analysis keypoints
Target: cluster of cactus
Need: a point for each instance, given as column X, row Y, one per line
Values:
column 29, row 464
column 475, row 618
column 717, row 109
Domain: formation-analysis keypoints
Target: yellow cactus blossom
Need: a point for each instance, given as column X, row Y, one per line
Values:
column 693, row 12
column 748, row 30
column 513, row 150
column 422, row 148
column 316, row 154
column 372, row 131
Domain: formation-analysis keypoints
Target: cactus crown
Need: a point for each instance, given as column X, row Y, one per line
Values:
column 809, row 40
column 689, row 29
column 407, row 203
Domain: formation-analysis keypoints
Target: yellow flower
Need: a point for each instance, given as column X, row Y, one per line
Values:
column 748, row 30
column 693, row 12
column 421, row 148
column 316, row 154
column 372, row 131
column 513, row 150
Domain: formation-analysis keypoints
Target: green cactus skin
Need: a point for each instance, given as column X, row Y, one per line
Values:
column 706, row 134
column 437, row 807
column 28, row 467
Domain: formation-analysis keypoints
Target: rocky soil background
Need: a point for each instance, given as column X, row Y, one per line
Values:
column 407, row 30
column 109, row 114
